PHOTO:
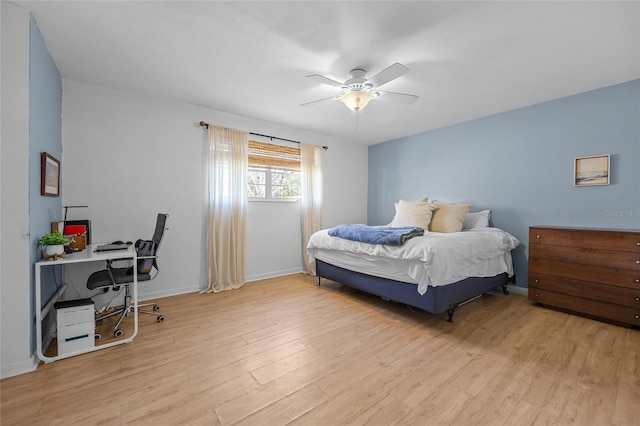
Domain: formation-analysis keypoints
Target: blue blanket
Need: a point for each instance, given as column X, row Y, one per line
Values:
column 376, row 234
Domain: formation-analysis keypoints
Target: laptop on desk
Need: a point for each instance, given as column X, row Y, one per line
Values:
column 111, row 247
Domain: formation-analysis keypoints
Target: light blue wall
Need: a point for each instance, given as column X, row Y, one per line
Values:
column 519, row 164
column 45, row 135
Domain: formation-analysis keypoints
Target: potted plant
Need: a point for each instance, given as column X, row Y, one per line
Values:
column 54, row 243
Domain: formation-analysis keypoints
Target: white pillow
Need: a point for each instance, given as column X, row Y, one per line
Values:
column 448, row 217
column 425, row 199
column 413, row 213
column 477, row 220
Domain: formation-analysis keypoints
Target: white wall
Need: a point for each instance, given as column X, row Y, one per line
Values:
column 15, row 267
column 130, row 156
column 269, row 225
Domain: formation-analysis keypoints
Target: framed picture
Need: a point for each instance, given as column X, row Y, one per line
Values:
column 50, row 176
column 589, row 171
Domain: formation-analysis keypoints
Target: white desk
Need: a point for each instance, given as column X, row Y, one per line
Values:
column 87, row 255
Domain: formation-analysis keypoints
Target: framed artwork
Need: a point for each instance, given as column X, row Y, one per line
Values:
column 593, row 170
column 50, row 176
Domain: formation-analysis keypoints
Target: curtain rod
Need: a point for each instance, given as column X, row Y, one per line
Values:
column 203, row 124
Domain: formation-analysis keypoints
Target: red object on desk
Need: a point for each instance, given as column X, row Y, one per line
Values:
column 75, row 229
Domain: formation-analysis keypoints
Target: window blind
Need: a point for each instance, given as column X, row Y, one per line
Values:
column 262, row 154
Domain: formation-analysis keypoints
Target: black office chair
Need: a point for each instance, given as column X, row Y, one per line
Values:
column 113, row 278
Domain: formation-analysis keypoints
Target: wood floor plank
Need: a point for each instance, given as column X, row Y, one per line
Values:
column 441, row 407
column 285, row 351
column 385, row 412
column 259, row 398
column 589, row 405
column 495, row 404
column 308, row 358
column 212, row 358
column 243, row 366
column 350, row 372
column 105, row 414
column 523, row 414
column 546, row 419
column 208, row 388
column 354, row 402
column 171, row 406
column 548, row 393
column 628, row 395
column 288, row 408
column 432, row 370
column 478, row 371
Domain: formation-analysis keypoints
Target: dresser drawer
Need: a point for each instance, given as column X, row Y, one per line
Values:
column 587, row 256
column 75, row 315
column 76, row 338
column 623, row 314
column 586, row 238
column 587, row 290
column 598, row 274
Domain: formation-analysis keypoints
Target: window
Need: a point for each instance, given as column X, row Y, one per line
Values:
column 273, row 172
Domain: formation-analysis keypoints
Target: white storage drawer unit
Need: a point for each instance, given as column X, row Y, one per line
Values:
column 76, row 326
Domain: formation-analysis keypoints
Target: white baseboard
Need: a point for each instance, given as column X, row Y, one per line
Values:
column 26, row 366
column 274, row 274
column 149, row 295
column 167, row 293
column 196, row 288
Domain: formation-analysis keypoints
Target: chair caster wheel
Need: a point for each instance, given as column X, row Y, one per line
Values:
column 117, row 333
column 161, row 318
column 97, row 336
column 156, row 307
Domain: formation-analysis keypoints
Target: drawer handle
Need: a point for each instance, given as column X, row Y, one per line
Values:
column 537, row 281
column 84, row 336
column 637, row 316
column 537, row 295
column 637, row 280
column 538, row 236
column 637, row 299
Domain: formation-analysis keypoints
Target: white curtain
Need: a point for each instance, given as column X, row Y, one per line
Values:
column 227, row 208
column 311, row 170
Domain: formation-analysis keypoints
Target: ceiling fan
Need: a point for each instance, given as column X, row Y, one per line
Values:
column 359, row 90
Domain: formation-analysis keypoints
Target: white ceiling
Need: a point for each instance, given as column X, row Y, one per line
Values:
column 467, row 59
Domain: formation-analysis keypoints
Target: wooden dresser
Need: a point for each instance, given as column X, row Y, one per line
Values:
column 590, row 271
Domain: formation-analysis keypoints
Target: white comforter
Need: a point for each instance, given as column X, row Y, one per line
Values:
column 433, row 259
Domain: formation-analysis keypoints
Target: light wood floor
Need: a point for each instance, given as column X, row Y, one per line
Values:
column 283, row 351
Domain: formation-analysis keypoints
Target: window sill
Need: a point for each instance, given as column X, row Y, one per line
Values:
column 272, row 200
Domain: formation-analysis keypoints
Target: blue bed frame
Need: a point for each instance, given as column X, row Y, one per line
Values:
column 436, row 300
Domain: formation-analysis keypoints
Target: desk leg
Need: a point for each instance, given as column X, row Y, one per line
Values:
column 38, row 311
column 135, row 297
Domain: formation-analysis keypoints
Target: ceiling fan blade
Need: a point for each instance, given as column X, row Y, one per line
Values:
column 306, row 104
column 386, row 75
column 403, row 98
column 325, row 80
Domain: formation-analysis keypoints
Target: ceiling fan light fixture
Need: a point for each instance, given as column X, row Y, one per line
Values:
column 357, row 99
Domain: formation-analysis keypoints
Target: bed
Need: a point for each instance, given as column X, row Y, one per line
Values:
column 435, row 272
